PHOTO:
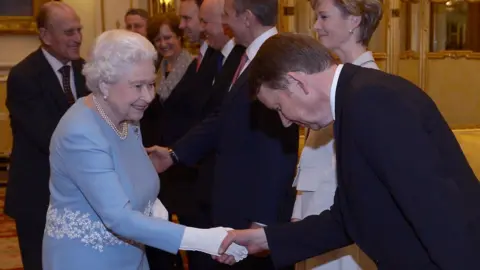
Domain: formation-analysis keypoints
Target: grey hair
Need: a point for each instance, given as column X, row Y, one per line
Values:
column 112, row 53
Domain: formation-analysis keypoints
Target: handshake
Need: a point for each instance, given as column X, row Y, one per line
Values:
column 224, row 244
column 253, row 241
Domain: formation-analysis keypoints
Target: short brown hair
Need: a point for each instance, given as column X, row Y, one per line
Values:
column 138, row 11
column 370, row 12
column 265, row 10
column 198, row 2
column 169, row 19
column 284, row 53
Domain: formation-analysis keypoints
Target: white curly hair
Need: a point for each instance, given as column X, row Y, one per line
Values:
column 113, row 52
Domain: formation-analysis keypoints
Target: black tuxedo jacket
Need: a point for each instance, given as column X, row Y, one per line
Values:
column 36, row 102
column 406, row 194
column 255, row 160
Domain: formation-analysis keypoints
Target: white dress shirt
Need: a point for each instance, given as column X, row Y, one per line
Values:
column 203, row 50
column 56, row 65
column 227, row 49
column 333, row 89
column 253, row 48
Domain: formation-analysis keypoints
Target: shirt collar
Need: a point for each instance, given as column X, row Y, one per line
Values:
column 333, row 89
column 54, row 62
column 366, row 60
column 227, row 49
column 253, row 48
column 203, row 48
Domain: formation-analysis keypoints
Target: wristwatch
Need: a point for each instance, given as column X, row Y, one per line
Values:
column 173, row 156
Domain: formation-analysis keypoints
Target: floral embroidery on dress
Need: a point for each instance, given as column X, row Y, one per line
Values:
column 149, row 209
column 77, row 225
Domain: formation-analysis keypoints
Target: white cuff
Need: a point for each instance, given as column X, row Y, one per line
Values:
column 297, row 207
column 209, row 241
column 159, row 211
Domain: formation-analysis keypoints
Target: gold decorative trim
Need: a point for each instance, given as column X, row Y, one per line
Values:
column 102, row 11
column 4, row 70
column 410, row 1
column 21, row 24
column 380, row 56
column 406, row 55
column 454, row 55
column 472, row 127
column 376, row 55
column 444, row 1
column 18, row 25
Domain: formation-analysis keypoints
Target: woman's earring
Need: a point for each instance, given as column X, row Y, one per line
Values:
column 350, row 31
column 104, row 97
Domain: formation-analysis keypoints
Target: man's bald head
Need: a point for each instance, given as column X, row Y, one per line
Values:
column 60, row 30
column 215, row 7
column 50, row 12
column 215, row 32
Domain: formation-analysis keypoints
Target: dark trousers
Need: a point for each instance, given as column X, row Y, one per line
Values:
column 30, row 239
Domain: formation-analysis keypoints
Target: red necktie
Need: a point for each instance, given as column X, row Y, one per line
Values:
column 240, row 67
column 199, row 60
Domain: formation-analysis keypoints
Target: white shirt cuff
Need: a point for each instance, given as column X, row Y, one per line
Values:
column 209, row 240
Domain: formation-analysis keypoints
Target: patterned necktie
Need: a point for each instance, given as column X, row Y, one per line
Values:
column 65, row 71
column 240, row 67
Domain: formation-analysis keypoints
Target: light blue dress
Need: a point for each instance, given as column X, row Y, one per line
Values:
column 102, row 192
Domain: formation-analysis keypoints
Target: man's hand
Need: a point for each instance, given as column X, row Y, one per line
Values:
column 255, row 225
column 254, row 240
column 160, row 158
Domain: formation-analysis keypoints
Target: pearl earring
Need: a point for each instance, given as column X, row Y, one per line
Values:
column 350, row 31
column 105, row 97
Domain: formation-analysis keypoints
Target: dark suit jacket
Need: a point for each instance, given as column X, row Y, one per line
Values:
column 169, row 121
column 36, row 102
column 255, row 160
column 406, row 194
column 223, row 79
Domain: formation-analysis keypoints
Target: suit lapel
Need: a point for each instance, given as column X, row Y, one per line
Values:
column 50, row 82
column 343, row 88
column 241, row 81
column 206, row 59
column 230, row 66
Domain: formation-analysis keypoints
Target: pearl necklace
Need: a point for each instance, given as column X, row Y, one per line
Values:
column 122, row 134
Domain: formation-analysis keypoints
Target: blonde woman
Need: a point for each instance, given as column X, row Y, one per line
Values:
column 345, row 27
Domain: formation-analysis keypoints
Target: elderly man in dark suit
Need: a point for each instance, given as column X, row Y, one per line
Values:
column 40, row 89
column 406, row 194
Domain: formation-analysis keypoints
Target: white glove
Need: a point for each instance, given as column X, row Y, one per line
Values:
column 159, row 211
column 209, row 241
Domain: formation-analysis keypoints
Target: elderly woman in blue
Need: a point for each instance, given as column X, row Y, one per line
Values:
column 103, row 206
